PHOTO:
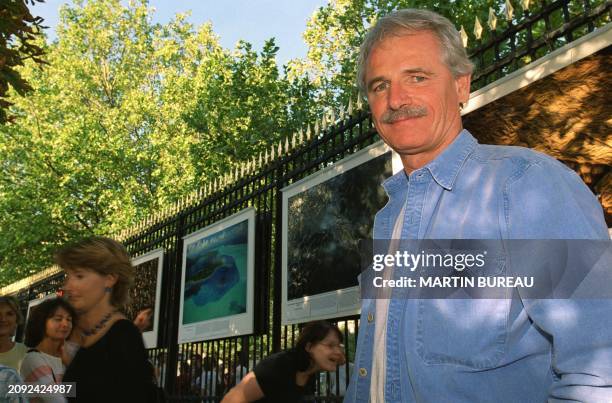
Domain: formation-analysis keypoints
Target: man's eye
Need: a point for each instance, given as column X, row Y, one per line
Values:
column 418, row 79
column 380, row 87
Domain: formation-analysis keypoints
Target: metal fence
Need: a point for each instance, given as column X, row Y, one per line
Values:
column 506, row 44
column 204, row 371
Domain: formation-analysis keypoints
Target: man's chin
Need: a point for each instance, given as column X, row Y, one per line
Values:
column 408, row 148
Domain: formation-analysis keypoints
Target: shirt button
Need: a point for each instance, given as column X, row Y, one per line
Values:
column 370, row 317
column 363, row 372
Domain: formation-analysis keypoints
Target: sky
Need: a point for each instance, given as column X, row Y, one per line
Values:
column 252, row 20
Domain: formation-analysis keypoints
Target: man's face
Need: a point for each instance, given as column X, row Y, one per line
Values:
column 413, row 96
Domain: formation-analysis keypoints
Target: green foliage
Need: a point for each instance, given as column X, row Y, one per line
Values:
column 243, row 106
column 128, row 117
column 18, row 33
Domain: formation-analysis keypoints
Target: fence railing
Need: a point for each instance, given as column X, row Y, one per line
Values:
column 529, row 34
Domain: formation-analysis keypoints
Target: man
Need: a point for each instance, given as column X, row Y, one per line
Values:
column 416, row 76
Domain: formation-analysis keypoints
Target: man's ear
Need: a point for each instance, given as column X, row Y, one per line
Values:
column 308, row 347
column 462, row 85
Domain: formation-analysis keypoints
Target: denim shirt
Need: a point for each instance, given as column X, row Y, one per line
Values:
column 504, row 350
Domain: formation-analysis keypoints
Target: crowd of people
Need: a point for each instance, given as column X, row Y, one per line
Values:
column 83, row 338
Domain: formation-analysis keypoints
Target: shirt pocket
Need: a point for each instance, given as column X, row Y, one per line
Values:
column 467, row 332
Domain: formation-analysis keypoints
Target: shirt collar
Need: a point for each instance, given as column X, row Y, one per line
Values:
column 444, row 168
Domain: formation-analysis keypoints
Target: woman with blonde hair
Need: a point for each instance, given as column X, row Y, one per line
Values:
column 111, row 364
column 11, row 353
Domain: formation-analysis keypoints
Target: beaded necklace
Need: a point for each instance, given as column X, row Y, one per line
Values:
column 98, row 326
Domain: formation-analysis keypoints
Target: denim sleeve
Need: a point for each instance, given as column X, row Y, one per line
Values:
column 544, row 200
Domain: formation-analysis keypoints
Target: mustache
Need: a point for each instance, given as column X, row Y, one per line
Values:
column 391, row 116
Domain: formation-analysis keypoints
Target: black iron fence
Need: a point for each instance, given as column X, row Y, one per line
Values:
column 530, row 34
column 261, row 189
column 204, row 371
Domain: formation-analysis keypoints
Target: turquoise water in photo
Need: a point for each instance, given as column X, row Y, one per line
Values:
column 205, row 304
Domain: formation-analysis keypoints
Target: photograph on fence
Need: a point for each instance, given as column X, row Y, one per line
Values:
column 217, row 279
column 327, row 217
column 146, row 292
column 37, row 301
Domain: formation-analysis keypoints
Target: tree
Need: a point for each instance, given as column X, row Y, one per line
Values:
column 245, row 110
column 128, row 117
column 18, row 33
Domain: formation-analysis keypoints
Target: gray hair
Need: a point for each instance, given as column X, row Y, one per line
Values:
column 413, row 20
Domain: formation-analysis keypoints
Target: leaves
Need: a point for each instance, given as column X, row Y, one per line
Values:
column 128, row 117
column 19, row 32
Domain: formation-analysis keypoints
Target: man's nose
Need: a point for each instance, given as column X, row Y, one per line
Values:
column 398, row 96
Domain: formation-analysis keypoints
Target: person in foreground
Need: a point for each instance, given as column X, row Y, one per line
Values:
column 416, row 76
column 11, row 353
column 111, row 364
column 49, row 324
column 288, row 376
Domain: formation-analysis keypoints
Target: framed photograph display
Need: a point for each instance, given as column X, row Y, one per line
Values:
column 146, row 292
column 217, row 279
column 34, row 302
column 326, row 218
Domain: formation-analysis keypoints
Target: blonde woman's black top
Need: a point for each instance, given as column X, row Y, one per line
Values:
column 114, row 369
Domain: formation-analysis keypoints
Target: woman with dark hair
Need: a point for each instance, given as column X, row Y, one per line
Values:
column 11, row 353
column 49, row 324
column 288, row 376
column 111, row 364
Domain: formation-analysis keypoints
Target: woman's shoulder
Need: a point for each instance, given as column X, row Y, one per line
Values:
column 284, row 360
column 32, row 354
column 124, row 337
column 284, row 355
column 36, row 364
column 123, row 328
column 35, row 356
column 124, row 325
column 31, row 359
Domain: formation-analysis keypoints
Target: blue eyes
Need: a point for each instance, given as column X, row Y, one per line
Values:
column 383, row 85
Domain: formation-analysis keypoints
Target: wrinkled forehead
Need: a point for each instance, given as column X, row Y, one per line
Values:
column 383, row 39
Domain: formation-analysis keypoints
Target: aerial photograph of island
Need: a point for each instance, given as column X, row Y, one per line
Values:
column 216, row 275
